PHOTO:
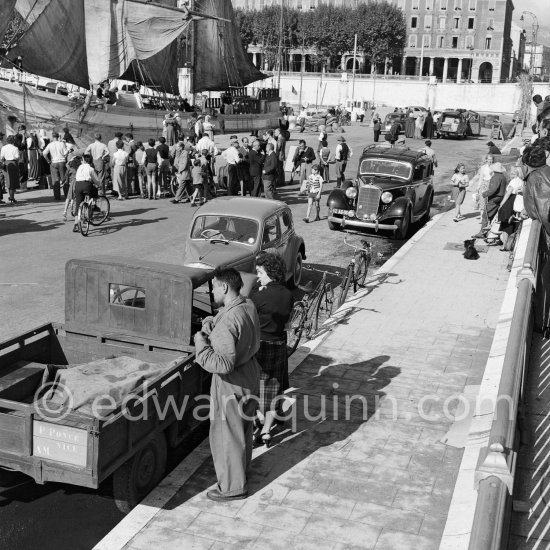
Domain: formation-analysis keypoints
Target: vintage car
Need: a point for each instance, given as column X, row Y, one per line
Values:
column 416, row 110
column 458, row 123
column 231, row 231
column 390, row 119
column 393, row 189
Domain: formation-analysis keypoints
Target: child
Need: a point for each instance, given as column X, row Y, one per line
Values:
column 325, row 159
column 460, row 181
column 314, row 190
column 197, row 173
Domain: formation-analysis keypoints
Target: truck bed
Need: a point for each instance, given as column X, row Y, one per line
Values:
column 73, row 447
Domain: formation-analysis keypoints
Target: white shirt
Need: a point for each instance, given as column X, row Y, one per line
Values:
column 486, row 172
column 120, row 158
column 516, row 185
column 86, row 172
column 57, row 151
column 231, row 155
column 9, row 152
column 339, row 150
column 40, row 142
column 206, row 143
column 314, row 183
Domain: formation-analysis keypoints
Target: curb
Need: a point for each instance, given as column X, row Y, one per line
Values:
column 144, row 512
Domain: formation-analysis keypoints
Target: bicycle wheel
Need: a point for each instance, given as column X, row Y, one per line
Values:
column 344, row 285
column 99, row 211
column 73, row 208
column 295, row 328
column 174, row 185
column 361, row 268
column 84, row 219
column 324, row 306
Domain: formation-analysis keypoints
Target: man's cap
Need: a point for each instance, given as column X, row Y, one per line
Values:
column 341, row 138
column 55, row 134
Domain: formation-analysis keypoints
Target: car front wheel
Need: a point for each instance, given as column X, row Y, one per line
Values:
column 402, row 230
column 294, row 281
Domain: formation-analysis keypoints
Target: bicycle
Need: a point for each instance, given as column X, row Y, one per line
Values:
column 306, row 313
column 92, row 212
column 357, row 269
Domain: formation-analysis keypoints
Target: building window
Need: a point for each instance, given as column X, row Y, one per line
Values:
column 442, row 21
column 427, row 21
column 415, row 4
column 488, row 43
column 442, row 5
column 440, row 41
column 473, row 5
column 313, row 4
column 426, row 41
column 491, row 24
column 414, row 22
column 412, row 41
column 458, row 5
column 492, row 5
column 469, row 42
column 471, row 22
column 429, row 5
column 456, row 22
column 455, row 42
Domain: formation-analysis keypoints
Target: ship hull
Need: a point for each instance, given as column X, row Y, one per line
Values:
column 54, row 111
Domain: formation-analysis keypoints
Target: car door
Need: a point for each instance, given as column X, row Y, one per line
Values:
column 271, row 234
column 420, row 179
column 286, row 248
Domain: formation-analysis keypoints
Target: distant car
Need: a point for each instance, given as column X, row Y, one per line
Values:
column 231, row 231
column 390, row 119
column 458, row 123
column 416, row 110
column 490, row 120
column 393, row 189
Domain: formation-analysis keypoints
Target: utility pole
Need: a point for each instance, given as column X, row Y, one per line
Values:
column 280, row 48
column 353, row 80
column 302, row 64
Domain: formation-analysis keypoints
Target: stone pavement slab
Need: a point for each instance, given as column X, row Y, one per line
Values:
column 361, row 463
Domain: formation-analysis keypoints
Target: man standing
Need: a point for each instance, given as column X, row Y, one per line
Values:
column 280, row 151
column 165, row 170
column 430, row 152
column 303, row 159
column 111, row 145
column 55, row 154
column 377, row 128
column 244, row 167
column 269, row 171
column 182, row 164
column 342, row 154
column 99, row 153
column 233, row 157
column 226, row 346
column 256, row 161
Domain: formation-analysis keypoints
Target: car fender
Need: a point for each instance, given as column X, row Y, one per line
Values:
column 338, row 199
column 398, row 208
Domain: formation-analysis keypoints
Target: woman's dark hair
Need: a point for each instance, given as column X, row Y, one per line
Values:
column 151, row 142
column 10, row 139
column 34, row 141
column 119, row 144
column 543, row 142
column 230, row 276
column 535, row 157
column 162, row 139
column 274, row 266
column 87, row 158
column 459, row 166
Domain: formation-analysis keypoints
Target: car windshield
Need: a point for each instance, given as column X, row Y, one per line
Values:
column 451, row 118
column 384, row 167
column 229, row 228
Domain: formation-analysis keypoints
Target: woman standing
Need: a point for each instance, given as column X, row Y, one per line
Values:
column 484, row 174
column 208, row 128
column 169, row 129
column 460, row 182
column 496, row 190
column 34, row 147
column 274, row 303
column 419, row 126
column 119, row 163
column 9, row 155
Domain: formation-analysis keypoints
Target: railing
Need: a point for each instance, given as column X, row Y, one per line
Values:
column 495, row 472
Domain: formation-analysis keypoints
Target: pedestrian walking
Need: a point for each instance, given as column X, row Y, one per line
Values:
column 460, row 182
column 303, row 161
column 269, row 172
column 429, row 125
column 430, row 152
column 9, row 156
column 197, row 173
column 274, row 304
column 377, row 128
column 342, row 154
column 182, row 166
column 55, row 154
column 314, row 190
column 325, row 160
column 226, row 347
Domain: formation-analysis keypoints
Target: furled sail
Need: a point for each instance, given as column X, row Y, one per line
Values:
column 220, row 61
column 6, row 9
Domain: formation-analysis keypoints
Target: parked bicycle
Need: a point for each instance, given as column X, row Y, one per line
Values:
column 92, row 212
column 357, row 269
column 316, row 305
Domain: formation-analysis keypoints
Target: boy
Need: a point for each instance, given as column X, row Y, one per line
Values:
column 197, row 173
column 314, row 190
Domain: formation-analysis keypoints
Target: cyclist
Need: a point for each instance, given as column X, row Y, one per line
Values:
column 85, row 180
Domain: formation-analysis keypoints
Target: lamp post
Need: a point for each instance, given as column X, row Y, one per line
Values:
column 534, row 30
column 471, row 48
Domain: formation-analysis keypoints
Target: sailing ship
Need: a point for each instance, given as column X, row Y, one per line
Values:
column 87, row 42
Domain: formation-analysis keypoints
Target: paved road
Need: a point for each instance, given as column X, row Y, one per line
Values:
column 34, row 246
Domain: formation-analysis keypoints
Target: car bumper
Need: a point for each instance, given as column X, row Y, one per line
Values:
column 345, row 222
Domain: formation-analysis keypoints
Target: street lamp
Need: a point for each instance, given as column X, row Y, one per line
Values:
column 535, row 30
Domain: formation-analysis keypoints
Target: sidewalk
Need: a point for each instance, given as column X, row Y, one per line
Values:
column 365, row 466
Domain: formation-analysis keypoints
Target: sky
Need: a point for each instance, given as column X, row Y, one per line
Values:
column 541, row 8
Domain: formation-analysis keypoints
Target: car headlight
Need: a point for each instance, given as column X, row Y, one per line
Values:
column 386, row 197
column 351, row 192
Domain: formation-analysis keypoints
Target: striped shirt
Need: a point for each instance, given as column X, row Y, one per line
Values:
column 314, row 183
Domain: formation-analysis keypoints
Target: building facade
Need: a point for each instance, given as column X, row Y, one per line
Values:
column 537, row 60
column 453, row 40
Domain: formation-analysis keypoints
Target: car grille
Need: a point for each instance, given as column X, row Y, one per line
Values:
column 368, row 201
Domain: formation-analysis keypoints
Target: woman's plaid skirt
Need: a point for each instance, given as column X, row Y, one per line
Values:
column 273, row 360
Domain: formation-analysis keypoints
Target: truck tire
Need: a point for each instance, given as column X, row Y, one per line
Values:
column 140, row 474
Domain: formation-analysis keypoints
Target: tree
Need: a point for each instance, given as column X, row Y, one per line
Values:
column 381, row 31
column 244, row 20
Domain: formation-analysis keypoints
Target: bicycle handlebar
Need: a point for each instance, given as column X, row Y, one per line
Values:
column 309, row 268
column 365, row 245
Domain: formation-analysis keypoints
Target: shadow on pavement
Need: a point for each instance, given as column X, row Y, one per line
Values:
column 25, row 225
column 123, row 213
column 332, row 401
column 108, row 227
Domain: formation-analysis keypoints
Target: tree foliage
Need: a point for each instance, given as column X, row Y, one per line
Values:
column 329, row 30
